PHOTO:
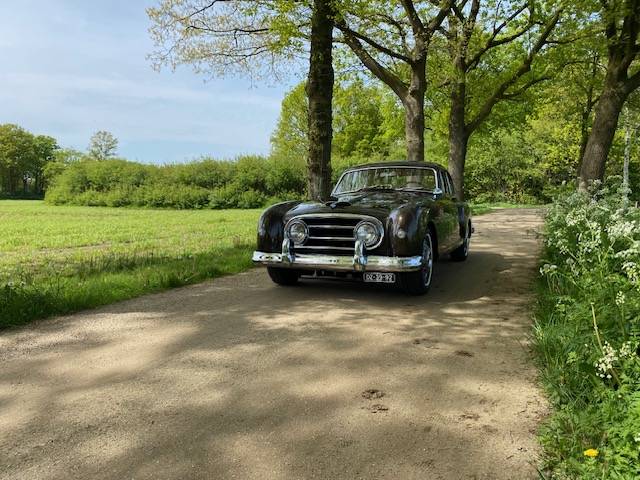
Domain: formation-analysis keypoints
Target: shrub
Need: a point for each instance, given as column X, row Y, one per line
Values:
column 587, row 335
column 233, row 196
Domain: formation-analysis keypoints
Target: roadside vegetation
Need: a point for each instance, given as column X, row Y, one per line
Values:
column 57, row 260
column 587, row 335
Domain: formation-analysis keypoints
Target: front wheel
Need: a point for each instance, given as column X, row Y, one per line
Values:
column 283, row 276
column 461, row 253
column 418, row 283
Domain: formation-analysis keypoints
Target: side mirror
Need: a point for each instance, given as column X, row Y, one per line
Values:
column 438, row 192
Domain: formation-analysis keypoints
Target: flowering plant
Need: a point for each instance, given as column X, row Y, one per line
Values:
column 587, row 334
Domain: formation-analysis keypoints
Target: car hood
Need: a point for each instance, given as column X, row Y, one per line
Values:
column 374, row 203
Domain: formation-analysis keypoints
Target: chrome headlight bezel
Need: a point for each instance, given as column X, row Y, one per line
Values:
column 296, row 239
column 374, row 228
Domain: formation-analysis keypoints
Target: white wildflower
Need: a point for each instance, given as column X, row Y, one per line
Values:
column 605, row 364
column 548, row 268
column 628, row 349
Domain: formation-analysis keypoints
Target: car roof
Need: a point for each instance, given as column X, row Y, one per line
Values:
column 397, row 164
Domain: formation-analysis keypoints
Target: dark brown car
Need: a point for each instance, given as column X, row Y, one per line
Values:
column 385, row 223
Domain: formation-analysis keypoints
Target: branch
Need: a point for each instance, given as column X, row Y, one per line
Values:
column 400, row 27
column 493, row 40
column 632, row 83
column 381, row 48
column 414, row 19
column 525, row 87
column 629, row 34
column 384, row 74
column 525, row 67
column 436, row 21
column 233, row 31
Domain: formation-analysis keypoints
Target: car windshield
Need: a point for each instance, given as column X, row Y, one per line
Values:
column 387, row 178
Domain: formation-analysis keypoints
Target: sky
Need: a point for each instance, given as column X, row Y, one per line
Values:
column 71, row 67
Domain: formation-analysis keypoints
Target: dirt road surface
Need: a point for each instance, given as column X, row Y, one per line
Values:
column 240, row 379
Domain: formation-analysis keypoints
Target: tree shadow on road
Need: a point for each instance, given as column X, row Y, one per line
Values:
column 238, row 378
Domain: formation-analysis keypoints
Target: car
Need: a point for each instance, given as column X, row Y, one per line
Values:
column 384, row 223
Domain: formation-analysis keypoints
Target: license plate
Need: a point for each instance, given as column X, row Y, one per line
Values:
column 375, row 277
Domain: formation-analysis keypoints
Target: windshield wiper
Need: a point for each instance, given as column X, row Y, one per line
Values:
column 414, row 189
column 377, row 187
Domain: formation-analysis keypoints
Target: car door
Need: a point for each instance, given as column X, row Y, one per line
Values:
column 449, row 204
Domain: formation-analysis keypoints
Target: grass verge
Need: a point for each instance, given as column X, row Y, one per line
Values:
column 482, row 208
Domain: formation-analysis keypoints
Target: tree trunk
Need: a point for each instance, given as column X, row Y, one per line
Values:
column 585, row 116
column 458, row 141
column 320, row 94
column 413, row 104
column 458, row 132
column 602, row 132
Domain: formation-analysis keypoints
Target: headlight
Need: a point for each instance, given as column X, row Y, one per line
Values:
column 368, row 233
column 297, row 231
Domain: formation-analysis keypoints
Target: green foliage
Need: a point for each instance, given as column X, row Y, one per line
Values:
column 587, row 335
column 367, row 120
column 220, row 38
column 22, row 160
column 245, row 183
column 62, row 259
column 102, row 145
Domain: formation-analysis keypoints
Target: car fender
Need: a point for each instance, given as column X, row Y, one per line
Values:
column 407, row 228
column 271, row 226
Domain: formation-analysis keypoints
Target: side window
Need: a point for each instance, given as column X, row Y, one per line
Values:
column 446, row 186
column 450, row 182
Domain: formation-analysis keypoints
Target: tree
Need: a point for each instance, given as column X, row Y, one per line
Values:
column 102, row 145
column 320, row 94
column 45, row 149
column 367, row 122
column 620, row 20
column 470, row 42
column 22, row 158
column 290, row 140
column 389, row 41
column 221, row 37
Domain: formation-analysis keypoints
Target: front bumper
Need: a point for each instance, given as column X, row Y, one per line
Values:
column 355, row 263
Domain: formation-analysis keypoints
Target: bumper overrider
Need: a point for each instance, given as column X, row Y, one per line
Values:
column 358, row 262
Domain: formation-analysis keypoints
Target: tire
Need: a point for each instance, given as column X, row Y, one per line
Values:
column 461, row 253
column 418, row 283
column 283, row 276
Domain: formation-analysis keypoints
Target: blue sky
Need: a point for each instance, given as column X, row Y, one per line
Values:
column 71, row 67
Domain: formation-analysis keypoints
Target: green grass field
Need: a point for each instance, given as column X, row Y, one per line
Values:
column 57, row 260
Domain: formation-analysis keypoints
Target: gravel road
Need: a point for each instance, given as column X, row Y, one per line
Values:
column 237, row 378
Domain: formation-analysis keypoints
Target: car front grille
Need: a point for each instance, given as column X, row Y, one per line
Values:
column 331, row 234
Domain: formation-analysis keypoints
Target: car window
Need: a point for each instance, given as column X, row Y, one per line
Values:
column 451, row 187
column 445, row 183
column 392, row 178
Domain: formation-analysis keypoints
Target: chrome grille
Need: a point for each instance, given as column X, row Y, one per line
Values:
column 331, row 234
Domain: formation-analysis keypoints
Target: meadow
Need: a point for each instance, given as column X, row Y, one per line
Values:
column 56, row 260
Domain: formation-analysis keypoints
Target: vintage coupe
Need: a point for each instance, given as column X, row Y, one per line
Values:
column 385, row 222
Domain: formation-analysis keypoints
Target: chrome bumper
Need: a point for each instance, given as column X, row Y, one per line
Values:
column 355, row 263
